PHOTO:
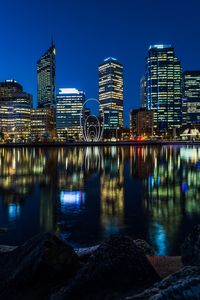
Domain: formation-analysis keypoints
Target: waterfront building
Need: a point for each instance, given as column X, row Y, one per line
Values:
column 42, row 124
column 111, row 93
column 163, row 87
column 133, row 122
column 46, row 78
column 8, row 88
column 68, row 109
column 15, row 111
column 191, row 100
column 141, row 122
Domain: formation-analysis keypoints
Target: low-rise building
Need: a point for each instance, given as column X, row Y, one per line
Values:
column 141, row 122
column 42, row 124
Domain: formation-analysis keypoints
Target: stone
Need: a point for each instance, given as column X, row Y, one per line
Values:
column 44, row 259
column 117, row 264
column 190, row 249
column 182, row 285
column 85, row 253
column 6, row 249
column 145, row 247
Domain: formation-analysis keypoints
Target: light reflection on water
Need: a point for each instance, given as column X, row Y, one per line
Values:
column 86, row 194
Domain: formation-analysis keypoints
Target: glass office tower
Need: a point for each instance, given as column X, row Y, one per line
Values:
column 15, row 111
column 163, row 86
column 111, row 92
column 46, row 78
column 191, row 100
column 68, row 109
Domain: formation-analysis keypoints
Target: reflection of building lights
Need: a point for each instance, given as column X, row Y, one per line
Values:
column 160, row 239
column 72, row 197
column 192, row 154
column 184, row 187
column 13, row 211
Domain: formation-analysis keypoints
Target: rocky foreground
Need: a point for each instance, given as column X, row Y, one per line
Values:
column 119, row 269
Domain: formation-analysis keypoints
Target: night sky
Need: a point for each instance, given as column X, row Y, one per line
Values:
column 86, row 32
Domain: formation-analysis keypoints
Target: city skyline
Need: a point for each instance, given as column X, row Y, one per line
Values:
column 82, row 47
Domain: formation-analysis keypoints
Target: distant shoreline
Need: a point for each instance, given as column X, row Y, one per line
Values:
column 110, row 143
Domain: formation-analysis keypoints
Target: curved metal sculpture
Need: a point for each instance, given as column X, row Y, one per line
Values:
column 91, row 132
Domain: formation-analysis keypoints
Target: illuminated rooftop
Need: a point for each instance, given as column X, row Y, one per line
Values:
column 68, row 91
column 110, row 58
column 161, row 46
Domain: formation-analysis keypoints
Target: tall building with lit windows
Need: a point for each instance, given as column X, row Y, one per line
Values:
column 191, row 100
column 15, row 111
column 163, row 86
column 111, row 93
column 46, row 78
column 68, row 109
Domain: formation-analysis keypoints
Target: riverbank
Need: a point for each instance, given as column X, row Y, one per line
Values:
column 119, row 269
column 100, row 144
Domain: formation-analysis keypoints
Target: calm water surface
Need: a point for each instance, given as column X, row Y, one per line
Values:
column 87, row 193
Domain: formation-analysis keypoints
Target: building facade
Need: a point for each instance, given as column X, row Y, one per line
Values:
column 42, row 124
column 111, row 92
column 46, row 78
column 68, row 109
column 141, row 122
column 8, row 88
column 15, row 111
column 163, row 87
column 191, row 98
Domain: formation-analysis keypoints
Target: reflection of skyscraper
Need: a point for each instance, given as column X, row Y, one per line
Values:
column 46, row 78
column 111, row 92
column 112, row 190
column 171, row 190
column 163, row 86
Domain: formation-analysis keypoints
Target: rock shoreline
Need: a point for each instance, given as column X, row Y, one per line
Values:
column 119, row 268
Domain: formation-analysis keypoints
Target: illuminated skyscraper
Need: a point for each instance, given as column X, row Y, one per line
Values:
column 163, row 86
column 191, row 100
column 68, row 109
column 111, row 92
column 15, row 111
column 46, row 78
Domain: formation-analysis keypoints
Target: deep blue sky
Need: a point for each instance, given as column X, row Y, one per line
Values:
column 87, row 31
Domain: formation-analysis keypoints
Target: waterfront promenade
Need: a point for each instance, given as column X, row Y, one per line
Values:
column 107, row 143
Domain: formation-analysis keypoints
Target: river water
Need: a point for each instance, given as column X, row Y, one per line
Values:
column 86, row 194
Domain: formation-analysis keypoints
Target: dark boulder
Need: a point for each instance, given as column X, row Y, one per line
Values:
column 42, row 260
column 190, row 250
column 5, row 249
column 182, row 285
column 85, row 253
column 117, row 264
column 145, row 247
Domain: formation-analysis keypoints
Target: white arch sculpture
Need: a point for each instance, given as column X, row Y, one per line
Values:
column 97, row 131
